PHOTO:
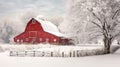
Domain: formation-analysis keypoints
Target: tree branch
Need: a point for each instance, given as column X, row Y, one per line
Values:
column 95, row 15
column 92, row 33
column 95, row 36
column 115, row 14
column 96, row 24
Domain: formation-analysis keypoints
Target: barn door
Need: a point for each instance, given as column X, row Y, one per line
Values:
column 33, row 36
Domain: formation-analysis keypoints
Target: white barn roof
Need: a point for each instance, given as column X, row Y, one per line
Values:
column 49, row 27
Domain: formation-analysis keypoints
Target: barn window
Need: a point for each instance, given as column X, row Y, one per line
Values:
column 54, row 40
column 21, row 40
column 18, row 40
column 33, row 21
column 41, row 39
column 27, row 39
column 47, row 39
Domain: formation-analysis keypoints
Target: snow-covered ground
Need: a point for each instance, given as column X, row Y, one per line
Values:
column 111, row 60
column 20, row 47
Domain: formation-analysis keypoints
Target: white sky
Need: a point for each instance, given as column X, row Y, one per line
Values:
column 44, row 7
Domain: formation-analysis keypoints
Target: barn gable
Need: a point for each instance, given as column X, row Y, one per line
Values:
column 33, row 25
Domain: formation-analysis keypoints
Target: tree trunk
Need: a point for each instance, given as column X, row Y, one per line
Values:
column 107, row 44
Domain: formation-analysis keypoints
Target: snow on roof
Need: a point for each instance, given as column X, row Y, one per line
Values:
column 49, row 27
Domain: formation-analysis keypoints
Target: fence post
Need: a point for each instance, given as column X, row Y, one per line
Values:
column 70, row 54
column 25, row 53
column 62, row 54
column 73, row 53
column 17, row 53
column 77, row 53
column 11, row 53
column 51, row 54
column 33, row 53
column 43, row 54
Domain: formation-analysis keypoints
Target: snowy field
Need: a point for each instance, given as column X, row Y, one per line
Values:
column 22, row 47
column 111, row 60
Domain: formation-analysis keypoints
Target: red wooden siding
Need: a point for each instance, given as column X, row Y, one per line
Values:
column 34, row 33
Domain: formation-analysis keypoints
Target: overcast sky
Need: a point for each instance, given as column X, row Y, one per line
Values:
column 44, row 7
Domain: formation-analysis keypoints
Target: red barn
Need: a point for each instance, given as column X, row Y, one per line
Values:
column 41, row 31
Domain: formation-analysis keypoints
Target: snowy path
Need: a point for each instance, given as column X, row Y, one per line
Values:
column 112, row 60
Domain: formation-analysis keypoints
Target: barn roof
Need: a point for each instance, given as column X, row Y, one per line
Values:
column 49, row 27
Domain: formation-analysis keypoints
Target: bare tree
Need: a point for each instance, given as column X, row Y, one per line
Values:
column 104, row 15
column 107, row 20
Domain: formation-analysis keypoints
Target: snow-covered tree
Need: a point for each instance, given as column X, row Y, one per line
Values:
column 6, row 32
column 106, row 15
column 76, row 20
column 10, row 26
column 91, row 19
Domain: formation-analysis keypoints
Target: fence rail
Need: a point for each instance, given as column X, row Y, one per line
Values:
column 30, row 53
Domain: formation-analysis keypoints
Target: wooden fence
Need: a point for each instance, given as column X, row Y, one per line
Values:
column 44, row 54
column 75, row 53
